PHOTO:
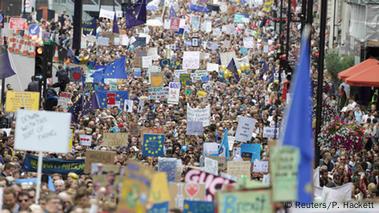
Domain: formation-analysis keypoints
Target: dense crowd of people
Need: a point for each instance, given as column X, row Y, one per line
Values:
column 260, row 93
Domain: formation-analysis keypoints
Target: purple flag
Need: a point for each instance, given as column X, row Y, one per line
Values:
column 115, row 25
column 5, row 66
column 135, row 14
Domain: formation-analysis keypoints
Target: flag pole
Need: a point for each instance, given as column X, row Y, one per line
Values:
column 320, row 78
column 288, row 29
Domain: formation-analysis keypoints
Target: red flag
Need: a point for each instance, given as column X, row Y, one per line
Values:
column 111, row 97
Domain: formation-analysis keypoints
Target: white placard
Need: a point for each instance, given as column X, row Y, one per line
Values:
column 118, row 13
column 248, row 42
column 173, row 93
column 147, row 61
column 269, row 132
column 153, row 52
column 212, row 67
column 85, row 140
column 231, row 140
column 191, row 60
column 226, row 57
column 245, row 128
column 124, row 40
column 211, row 166
column 102, row 41
column 128, row 105
column 106, row 14
column 197, row 114
column 260, row 166
column 42, row 131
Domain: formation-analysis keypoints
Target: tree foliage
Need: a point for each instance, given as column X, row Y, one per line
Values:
column 336, row 63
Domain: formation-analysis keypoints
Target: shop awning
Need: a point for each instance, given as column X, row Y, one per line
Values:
column 358, row 68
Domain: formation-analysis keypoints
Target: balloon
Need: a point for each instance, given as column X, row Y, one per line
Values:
column 239, row 72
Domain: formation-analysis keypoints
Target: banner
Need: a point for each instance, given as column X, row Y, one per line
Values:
column 212, row 182
column 258, row 200
column 173, row 93
column 245, row 128
column 42, row 131
column 153, row 145
column 158, row 93
column 53, row 165
column 17, row 100
column 197, row 114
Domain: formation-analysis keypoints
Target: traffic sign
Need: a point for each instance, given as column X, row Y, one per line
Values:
column 34, row 29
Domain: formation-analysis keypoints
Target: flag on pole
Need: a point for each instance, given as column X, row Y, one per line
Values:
column 135, row 14
column 298, row 121
column 115, row 25
column 5, row 65
column 116, row 69
column 224, row 148
column 233, row 68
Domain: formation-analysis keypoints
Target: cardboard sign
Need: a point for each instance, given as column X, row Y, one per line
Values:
column 211, row 165
column 156, row 79
column 42, row 131
column 93, row 156
column 213, row 182
column 195, row 206
column 115, row 139
column 239, row 168
column 284, row 168
column 189, row 191
column 197, row 114
column 85, row 140
column 258, row 200
column 21, row 100
column 159, row 188
column 191, row 60
column 153, row 145
column 245, row 128
column 260, row 166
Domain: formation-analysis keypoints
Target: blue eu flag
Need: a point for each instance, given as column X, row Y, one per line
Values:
column 116, row 69
column 107, row 99
column 224, row 148
column 298, row 121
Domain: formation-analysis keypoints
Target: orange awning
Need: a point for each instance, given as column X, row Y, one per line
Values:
column 357, row 68
column 366, row 78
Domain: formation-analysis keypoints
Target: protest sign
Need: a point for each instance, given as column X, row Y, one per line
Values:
column 102, row 41
column 64, row 99
column 226, row 57
column 248, row 42
column 239, row 168
column 189, row 191
column 212, row 67
column 42, row 131
column 21, row 100
column 177, row 74
column 159, row 188
column 257, row 200
column 159, row 208
column 185, row 79
column 135, row 188
column 212, row 182
column 251, row 151
column 198, row 114
column 221, row 161
column 85, row 140
column 198, row 75
column 210, row 149
column 174, row 24
column 94, row 156
column 53, row 165
column 156, row 79
column 158, row 93
column 206, row 26
column 260, row 166
column 195, row 128
column 115, row 139
column 100, row 169
column 195, row 206
column 173, row 93
column 269, row 132
column 191, row 60
column 284, row 168
column 231, row 141
column 147, row 61
column 153, row 145
column 106, row 14
column 168, row 165
column 211, row 165
column 245, row 128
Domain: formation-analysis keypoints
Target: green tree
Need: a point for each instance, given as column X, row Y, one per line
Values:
column 336, row 63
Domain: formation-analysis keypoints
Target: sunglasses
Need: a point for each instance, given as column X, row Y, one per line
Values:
column 23, row 200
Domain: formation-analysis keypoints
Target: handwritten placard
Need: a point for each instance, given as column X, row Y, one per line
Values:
column 115, row 139
column 191, row 60
column 245, row 129
column 260, row 166
column 269, row 132
column 42, row 131
column 284, row 168
column 199, row 114
column 258, row 200
column 238, row 168
column 93, row 156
